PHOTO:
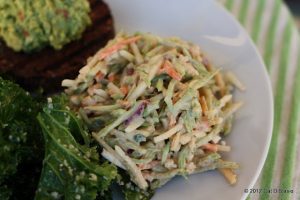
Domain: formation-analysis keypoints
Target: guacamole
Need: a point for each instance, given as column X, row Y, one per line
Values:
column 33, row 24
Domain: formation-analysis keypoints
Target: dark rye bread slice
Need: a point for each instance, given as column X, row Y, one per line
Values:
column 49, row 67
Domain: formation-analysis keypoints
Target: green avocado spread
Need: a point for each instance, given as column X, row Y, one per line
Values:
column 30, row 25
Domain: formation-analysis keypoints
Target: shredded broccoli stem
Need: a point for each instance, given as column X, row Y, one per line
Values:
column 164, row 108
column 103, row 132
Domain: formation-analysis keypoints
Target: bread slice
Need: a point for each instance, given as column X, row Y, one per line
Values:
column 49, row 67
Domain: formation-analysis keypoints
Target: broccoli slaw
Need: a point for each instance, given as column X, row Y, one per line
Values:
column 157, row 107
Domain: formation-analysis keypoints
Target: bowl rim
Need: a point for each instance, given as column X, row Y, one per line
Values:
column 269, row 95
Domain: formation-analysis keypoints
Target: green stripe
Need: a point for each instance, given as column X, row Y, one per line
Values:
column 268, row 171
column 271, row 34
column 258, row 19
column 291, row 143
column 243, row 11
column 229, row 4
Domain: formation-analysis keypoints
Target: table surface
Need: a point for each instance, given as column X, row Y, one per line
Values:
column 276, row 35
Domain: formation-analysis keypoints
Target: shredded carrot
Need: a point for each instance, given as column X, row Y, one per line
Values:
column 207, row 65
column 176, row 97
column 111, row 77
column 229, row 175
column 203, row 104
column 148, row 165
column 110, row 92
column 220, row 82
column 99, row 76
column 169, row 69
column 21, row 15
column 110, row 50
column 124, row 104
column 211, row 147
column 148, row 176
column 124, row 89
column 91, row 89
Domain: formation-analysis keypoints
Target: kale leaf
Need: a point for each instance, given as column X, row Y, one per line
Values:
column 71, row 169
column 21, row 146
column 132, row 191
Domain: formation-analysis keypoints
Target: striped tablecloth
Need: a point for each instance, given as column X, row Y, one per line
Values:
column 274, row 31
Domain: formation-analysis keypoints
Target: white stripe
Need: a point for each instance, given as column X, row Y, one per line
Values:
column 297, row 171
column 236, row 8
column 292, row 66
column 222, row 1
column 286, row 108
column 264, row 29
column 290, row 89
column 296, row 177
column 252, row 7
column 277, row 47
column 274, row 76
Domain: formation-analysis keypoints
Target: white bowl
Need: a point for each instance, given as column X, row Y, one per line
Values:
column 228, row 46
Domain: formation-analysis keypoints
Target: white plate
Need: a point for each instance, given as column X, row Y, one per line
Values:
column 228, row 46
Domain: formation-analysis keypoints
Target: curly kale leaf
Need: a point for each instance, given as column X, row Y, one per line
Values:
column 17, row 122
column 71, row 169
column 132, row 191
column 20, row 142
column 5, row 192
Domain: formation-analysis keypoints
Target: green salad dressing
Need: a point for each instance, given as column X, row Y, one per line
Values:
column 33, row 24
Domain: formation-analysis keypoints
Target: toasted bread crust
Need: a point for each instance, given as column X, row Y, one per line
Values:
column 49, row 67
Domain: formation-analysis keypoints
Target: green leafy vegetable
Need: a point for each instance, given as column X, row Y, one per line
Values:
column 132, row 191
column 21, row 147
column 72, row 169
column 5, row 192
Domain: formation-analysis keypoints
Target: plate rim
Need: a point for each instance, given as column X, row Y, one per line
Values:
column 269, row 95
